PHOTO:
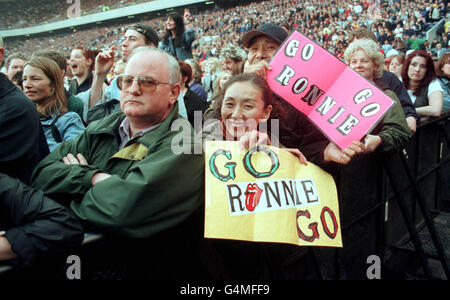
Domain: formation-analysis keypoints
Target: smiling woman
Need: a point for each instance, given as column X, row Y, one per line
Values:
column 245, row 103
column 43, row 84
column 392, row 132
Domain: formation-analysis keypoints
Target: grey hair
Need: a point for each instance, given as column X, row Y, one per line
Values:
column 174, row 67
column 373, row 51
column 234, row 52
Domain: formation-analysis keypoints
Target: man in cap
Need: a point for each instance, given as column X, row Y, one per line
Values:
column 262, row 43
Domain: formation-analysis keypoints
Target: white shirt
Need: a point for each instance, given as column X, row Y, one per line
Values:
column 434, row 86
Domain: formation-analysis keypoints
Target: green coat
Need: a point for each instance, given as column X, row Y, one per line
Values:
column 151, row 188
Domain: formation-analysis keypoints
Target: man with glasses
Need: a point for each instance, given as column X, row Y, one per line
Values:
column 99, row 104
column 122, row 176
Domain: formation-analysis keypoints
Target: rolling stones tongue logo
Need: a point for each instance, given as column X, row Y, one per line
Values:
column 252, row 195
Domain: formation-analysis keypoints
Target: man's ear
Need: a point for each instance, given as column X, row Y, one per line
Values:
column 175, row 91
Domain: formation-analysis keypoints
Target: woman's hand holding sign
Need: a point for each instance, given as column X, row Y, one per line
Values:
column 343, row 156
column 371, row 142
column 257, row 138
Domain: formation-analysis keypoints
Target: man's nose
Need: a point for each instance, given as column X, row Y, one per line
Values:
column 135, row 88
column 261, row 54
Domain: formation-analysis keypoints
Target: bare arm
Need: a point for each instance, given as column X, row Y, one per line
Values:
column 434, row 108
column 103, row 63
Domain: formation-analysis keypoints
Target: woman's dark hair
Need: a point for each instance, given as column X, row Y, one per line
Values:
column 185, row 70
column 429, row 75
column 253, row 79
column 179, row 29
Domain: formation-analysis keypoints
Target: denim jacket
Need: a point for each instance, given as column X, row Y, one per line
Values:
column 184, row 50
column 68, row 126
column 445, row 84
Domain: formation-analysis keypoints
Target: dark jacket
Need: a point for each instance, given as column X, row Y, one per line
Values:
column 74, row 88
column 296, row 131
column 22, row 140
column 74, row 104
column 193, row 103
column 391, row 81
column 35, row 224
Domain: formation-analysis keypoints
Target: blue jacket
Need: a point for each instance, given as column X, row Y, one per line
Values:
column 445, row 83
column 184, row 51
column 68, row 127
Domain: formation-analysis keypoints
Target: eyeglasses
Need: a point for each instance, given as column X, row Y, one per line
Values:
column 147, row 84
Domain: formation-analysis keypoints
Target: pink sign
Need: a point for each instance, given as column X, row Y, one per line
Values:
column 340, row 102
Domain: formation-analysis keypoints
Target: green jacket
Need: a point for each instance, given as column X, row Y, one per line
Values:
column 75, row 104
column 151, row 188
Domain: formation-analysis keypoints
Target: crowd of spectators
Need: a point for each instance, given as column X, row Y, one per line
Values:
column 399, row 26
column 43, row 11
column 367, row 26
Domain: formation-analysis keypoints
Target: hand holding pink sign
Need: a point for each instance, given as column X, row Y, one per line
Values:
column 339, row 101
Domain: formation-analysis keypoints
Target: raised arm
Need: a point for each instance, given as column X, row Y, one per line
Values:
column 103, row 63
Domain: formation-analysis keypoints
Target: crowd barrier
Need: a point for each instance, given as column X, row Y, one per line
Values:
column 385, row 199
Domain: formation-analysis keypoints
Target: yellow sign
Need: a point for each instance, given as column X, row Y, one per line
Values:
column 264, row 194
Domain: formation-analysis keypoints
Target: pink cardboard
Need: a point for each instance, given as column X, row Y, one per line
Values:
column 340, row 102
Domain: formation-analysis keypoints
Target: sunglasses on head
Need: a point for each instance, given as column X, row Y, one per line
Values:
column 139, row 28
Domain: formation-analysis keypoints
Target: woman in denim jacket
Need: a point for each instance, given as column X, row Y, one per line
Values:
column 177, row 41
column 43, row 84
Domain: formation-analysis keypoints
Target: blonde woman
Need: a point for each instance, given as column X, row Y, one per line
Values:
column 392, row 132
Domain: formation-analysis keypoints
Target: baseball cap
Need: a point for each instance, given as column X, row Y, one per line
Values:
column 273, row 31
